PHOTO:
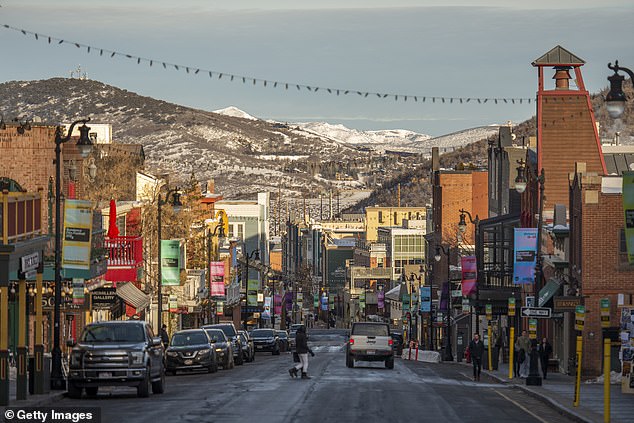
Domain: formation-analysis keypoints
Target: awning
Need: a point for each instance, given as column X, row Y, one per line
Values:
column 394, row 294
column 133, row 295
column 547, row 292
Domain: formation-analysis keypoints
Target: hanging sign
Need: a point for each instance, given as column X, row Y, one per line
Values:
column 266, row 314
column 605, row 312
column 511, row 306
column 76, row 243
column 170, row 262
column 466, row 308
column 173, row 303
column 425, row 299
column 217, row 277
column 78, row 290
column 525, row 255
column 469, row 275
column 220, row 308
column 316, row 300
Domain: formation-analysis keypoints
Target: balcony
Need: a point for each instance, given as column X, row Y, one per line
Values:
column 125, row 258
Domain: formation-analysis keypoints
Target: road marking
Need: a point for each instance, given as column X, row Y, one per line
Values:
column 521, row 407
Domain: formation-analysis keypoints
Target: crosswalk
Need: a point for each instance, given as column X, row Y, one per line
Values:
column 328, row 348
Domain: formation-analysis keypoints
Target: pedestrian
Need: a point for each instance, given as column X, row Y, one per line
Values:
column 523, row 348
column 476, row 350
column 544, row 349
column 302, row 350
column 165, row 338
column 497, row 347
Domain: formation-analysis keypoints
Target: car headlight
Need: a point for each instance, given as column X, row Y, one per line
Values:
column 137, row 357
column 204, row 353
column 171, row 354
column 218, row 349
column 75, row 358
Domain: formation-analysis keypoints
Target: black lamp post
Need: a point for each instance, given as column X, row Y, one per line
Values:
column 615, row 100
column 220, row 231
column 462, row 227
column 255, row 254
column 85, row 147
column 176, row 203
column 438, row 257
column 414, row 312
column 520, row 186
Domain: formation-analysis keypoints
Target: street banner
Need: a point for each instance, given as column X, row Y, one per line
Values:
column 170, row 262
column 78, row 290
column 380, row 299
column 266, row 313
column 444, row 297
column 362, row 300
column 76, row 243
column 316, row 300
column 466, row 308
column 220, row 308
column 253, row 286
column 173, row 303
column 469, row 275
column 277, row 304
column 525, row 255
column 628, row 209
column 217, row 273
column 425, row 299
column 605, row 312
column 324, row 303
column 331, row 302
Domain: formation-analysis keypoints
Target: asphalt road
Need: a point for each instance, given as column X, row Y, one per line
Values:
column 263, row 392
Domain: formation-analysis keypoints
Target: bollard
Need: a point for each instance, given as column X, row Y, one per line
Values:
column 409, row 356
column 606, row 379
column 490, row 361
column 578, row 375
column 416, row 351
column 511, row 353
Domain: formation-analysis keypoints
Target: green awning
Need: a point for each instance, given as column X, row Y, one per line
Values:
column 547, row 292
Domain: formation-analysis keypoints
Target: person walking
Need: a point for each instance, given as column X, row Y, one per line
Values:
column 302, row 350
column 523, row 348
column 476, row 349
column 545, row 350
column 165, row 337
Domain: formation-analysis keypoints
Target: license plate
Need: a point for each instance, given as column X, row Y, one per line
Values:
column 105, row 375
column 371, row 352
column 188, row 362
column 259, row 347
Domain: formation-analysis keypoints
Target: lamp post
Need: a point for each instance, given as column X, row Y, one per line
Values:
column 615, row 100
column 255, row 254
column 438, row 257
column 85, row 147
column 414, row 291
column 210, row 235
column 520, row 186
column 176, row 203
column 462, row 227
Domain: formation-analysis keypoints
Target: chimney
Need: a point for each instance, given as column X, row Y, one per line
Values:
column 562, row 77
column 435, row 159
column 211, row 186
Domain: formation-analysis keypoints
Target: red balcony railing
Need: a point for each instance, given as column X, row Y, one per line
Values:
column 125, row 257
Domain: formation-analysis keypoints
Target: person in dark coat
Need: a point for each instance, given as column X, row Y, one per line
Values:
column 302, row 350
column 476, row 348
column 165, row 338
column 545, row 350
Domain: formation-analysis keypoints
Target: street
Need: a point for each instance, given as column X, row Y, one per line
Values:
column 263, row 391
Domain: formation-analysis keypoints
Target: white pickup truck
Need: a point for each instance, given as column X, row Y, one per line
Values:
column 370, row 342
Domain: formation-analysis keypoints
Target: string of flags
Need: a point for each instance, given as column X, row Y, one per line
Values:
column 193, row 70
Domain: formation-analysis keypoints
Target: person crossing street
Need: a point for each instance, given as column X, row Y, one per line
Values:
column 302, row 350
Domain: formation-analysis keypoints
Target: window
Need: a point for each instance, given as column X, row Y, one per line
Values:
column 236, row 230
column 623, row 261
column 380, row 217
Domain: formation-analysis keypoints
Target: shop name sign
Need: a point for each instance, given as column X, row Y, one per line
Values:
column 28, row 265
column 566, row 303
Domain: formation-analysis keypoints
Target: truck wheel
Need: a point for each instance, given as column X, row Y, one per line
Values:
column 389, row 363
column 158, row 387
column 92, row 391
column 143, row 390
column 74, row 391
column 349, row 361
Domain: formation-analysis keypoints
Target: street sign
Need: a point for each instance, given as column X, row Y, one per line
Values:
column 537, row 312
column 489, row 312
column 605, row 312
column 530, row 301
column 580, row 317
column 511, row 306
column 532, row 328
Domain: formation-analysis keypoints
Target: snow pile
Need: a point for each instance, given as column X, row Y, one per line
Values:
column 615, row 379
column 423, row 355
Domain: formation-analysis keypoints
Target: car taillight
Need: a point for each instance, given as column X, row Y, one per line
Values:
column 351, row 341
column 390, row 342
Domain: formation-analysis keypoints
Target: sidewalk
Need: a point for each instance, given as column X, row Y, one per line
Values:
column 558, row 390
column 31, row 400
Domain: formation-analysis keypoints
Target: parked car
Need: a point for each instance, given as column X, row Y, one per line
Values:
column 370, row 342
column 266, row 340
column 116, row 353
column 190, row 350
column 248, row 348
column 232, row 334
column 397, row 338
column 284, row 340
column 222, row 345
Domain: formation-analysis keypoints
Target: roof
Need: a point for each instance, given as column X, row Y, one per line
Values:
column 558, row 56
column 617, row 163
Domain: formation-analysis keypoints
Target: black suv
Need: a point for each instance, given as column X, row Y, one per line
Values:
column 266, row 340
column 232, row 334
column 124, row 353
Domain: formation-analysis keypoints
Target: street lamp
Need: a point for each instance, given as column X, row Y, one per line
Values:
column 85, row 147
column 533, row 377
column 176, row 204
column 438, row 257
column 220, row 231
column 462, row 227
column 615, row 100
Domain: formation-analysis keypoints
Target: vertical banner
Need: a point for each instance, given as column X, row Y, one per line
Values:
column 380, row 300
column 170, row 262
column 76, row 243
column 425, row 299
column 220, row 308
column 266, row 313
column 324, row 303
column 628, row 209
column 525, row 255
column 173, row 303
column 78, row 291
column 277, row 304
column 217, row 273
column 253, row 286
column 469, row 275
column 316, row 300
column 331, row 302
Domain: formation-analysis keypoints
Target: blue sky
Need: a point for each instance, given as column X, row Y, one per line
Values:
column 465, row 49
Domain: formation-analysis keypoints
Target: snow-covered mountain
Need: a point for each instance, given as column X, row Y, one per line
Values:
column 235, row 112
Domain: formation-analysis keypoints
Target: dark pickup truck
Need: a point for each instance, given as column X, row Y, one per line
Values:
column 116, row 353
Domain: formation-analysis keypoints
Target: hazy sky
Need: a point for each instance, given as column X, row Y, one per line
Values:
column 425, row 48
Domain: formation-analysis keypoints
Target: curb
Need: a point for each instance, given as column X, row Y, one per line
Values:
column 36, row 400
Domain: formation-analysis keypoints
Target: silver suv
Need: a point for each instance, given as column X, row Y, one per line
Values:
column 370, row 342
column 116, row 353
